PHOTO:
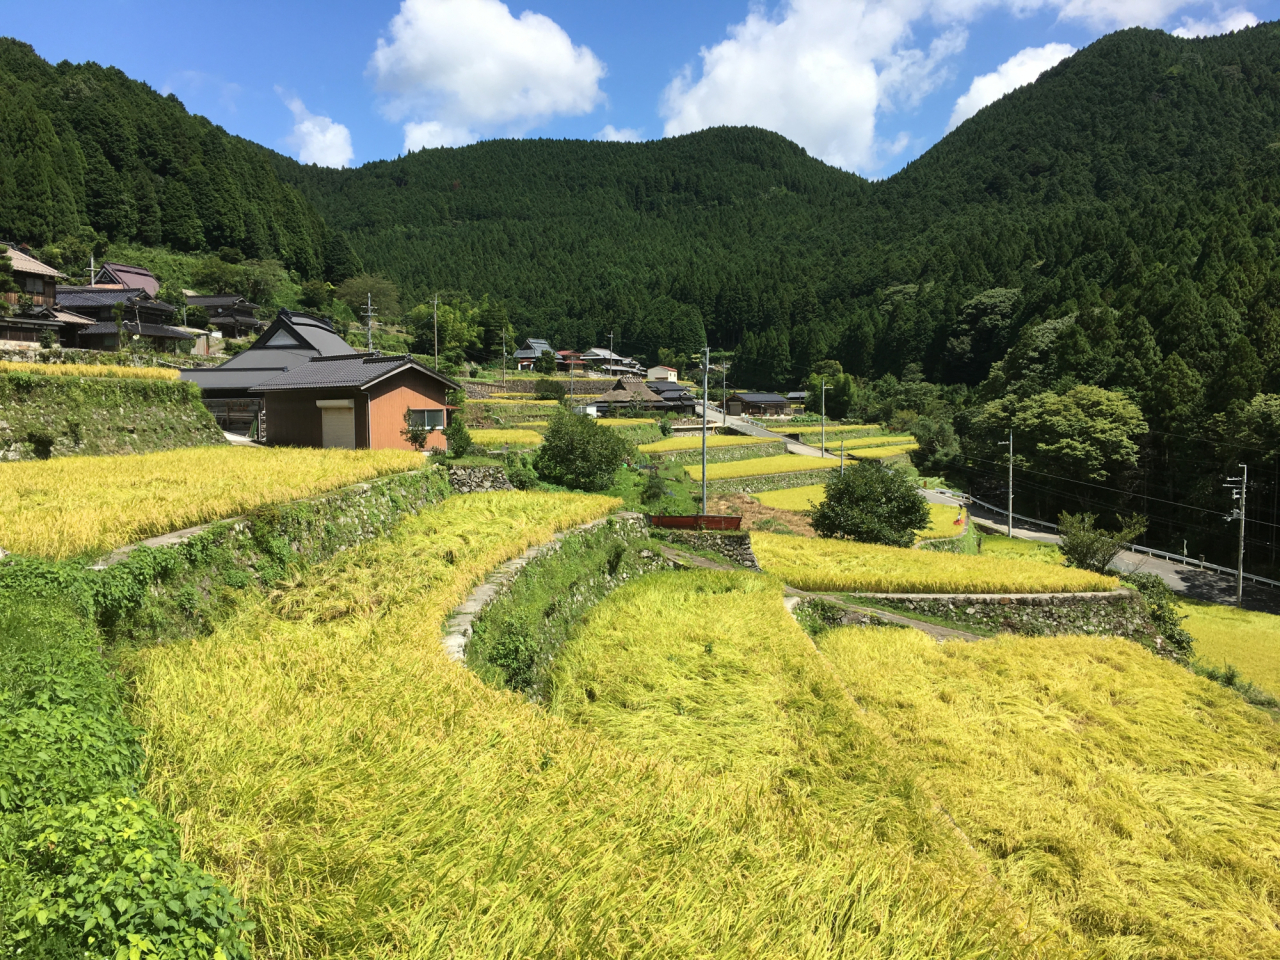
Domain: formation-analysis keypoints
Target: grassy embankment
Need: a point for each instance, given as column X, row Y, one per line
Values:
column 367, row 798
column 120, row 500
column 1123, row 802
column 845, row 566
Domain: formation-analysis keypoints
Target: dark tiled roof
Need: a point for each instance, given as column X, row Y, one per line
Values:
column 797, row 394
column 354, row 371
column 758, row 397
column 222, row 300
column 526, row 355
column 142, row 329
column 100, row 297
column 130, row 276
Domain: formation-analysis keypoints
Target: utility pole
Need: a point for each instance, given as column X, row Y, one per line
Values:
column 1239, row 487
column 824, row 417
column 706, row 364
column 842, row 456
column 1009, row 444
column 435, row 323
column 92, row 271
column 369, row 314
column 504, row 357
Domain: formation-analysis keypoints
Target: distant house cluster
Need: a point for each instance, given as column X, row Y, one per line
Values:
column 45, row 311
column 598, row 359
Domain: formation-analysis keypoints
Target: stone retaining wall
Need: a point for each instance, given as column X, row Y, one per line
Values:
column 478, row 479
column 731, row 545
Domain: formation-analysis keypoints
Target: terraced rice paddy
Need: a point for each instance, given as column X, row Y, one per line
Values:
column 844, row 566
column 942, row 522
column 89, row 370
column 1124, row 804
column 504, row 437
column 880, row 453
column 673, row 444
column 799, row 499
column 853, row 444
column 367, row 798
column 75, row 506
column 831, row 428
column 761, row 466
column 1245, row 639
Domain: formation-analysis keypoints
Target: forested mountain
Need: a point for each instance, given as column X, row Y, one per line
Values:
column 83, row 145
column 1092, row 258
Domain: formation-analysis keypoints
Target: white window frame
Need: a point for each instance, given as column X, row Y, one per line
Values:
column 428, row 414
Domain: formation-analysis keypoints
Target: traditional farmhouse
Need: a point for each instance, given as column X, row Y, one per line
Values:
column 41, row 320
column 233, row 315
column 99, row 303
column 292, row 339
column 796, row 399
column 628, row 392
column 358, row 403
column 756, row 405
column 609, row 362
column 161, row 337
column 663, row 373
column 569, row 360
column 676, row 397
column 530, row 352
column 34, row 279
column 122, row 276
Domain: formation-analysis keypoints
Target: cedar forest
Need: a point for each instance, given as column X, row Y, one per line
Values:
column 1090, row 260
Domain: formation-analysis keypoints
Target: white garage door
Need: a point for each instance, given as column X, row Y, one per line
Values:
column 338, row 426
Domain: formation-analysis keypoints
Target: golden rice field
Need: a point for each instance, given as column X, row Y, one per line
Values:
column 831, row 428
column 848, row 567
column 1245, row 639
column 942, row 522
column 762, row 466
column 365, row 797
column 881, row 453
column 799, row 499
column 624, row 421
column 859, row 443
column 89, row 370
column 672, row 444
column 502, row 438
column 1127, row 806
column 76, row 506
column 510, row 401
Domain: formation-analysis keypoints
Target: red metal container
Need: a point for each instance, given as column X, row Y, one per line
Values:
column 702, row 521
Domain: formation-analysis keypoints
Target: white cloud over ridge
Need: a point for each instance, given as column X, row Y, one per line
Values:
column 1232, row 20
column 456, row 69
column 821, row 72
column 614, row 135
column 1020, row 69
column 317, row 139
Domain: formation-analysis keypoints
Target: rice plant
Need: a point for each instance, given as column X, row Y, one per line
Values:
column 761, row 466
column 1125, row 802
column 845, row 566
column 857, row 443
column 945, row 520
column 881, row 453
column 89, row 370
column 672, row 444
column 78, row 506
column 799, row 499
column 856, row 428
column 1245, row 639
column 503, row 438
column 366, row 798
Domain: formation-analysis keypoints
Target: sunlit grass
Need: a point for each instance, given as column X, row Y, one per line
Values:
column 845, row 566
column 1122, row 801
column 799, row 499
column 503, row 437
column 1245, row 639
column 72, row 506
column 89, row 370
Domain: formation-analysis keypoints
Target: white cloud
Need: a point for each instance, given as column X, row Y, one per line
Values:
column 1237, row 18
column 455, row 68
column 318, row 139
column 1020, row 69
column 614, row 135
column 433, row 133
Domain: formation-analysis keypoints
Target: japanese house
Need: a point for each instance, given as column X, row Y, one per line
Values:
column 358, row 403
column 122, row 276
column 756, row 405
column 233, row 315
column 98, row 303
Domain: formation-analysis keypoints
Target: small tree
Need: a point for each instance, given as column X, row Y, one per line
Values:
column 545, row 364
column 873, row 504
column 416, row 434
column 549, row 390
column 579, row 453
column 458, row 437
column 1087, row 546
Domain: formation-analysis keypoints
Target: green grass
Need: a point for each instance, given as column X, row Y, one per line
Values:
column 1124, row 803
column 994, row 545
column 1244, row 639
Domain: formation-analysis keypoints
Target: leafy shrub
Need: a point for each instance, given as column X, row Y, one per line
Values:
column 580, row 454
column 873, row 504
column 546, row 364
column 1091, row 548
column 546, row 389
column 520, row 471
column 665, row 426
column 1162, row 607
column 458, row 437
column 655, row 489
column 86, row 870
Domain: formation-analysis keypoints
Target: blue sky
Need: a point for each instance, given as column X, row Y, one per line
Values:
column 864, row 84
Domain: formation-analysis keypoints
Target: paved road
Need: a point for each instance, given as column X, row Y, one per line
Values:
column 721, row 419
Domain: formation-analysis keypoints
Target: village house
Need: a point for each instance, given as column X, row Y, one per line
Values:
column 123, row 276
column 292, row 339
column 606, row 361
column 233, row 315
column 756, row 405
column 527, row 355
column 38, row 282
column 356, row 403
column 663, row 373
